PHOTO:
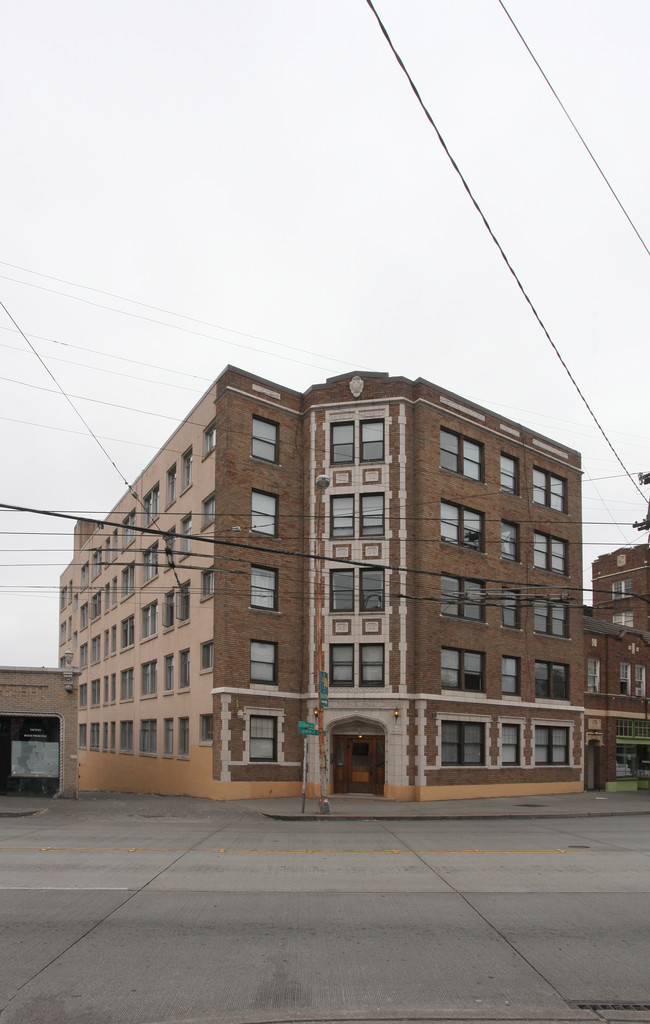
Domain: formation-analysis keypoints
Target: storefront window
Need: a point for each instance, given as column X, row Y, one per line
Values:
column 632, row 761
column 29, row 754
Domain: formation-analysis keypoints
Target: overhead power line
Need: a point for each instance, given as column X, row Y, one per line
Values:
column 257, row 548
column 186, row 330
column 65, row 395
column 498, row 244
column 575, row 128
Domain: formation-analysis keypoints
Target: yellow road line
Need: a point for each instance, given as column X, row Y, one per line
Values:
column 238, row 850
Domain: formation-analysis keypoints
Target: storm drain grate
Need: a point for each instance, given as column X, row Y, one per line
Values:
column 611, row 1006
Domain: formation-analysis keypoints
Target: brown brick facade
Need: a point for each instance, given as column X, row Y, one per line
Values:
column 390, row 661
column 617, row 725
column 621, row 585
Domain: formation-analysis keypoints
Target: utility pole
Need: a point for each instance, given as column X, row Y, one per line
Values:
column 322, row 483
column 644, row 479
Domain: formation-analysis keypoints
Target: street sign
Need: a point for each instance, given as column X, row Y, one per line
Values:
column 307, row 729
column 324, row 690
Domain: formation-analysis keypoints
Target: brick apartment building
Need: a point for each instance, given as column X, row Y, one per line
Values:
column 617, row 728
column 452, row 619
column 621, row 587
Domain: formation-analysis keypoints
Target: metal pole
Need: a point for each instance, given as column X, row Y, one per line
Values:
column 304, row 771
column 322, row 483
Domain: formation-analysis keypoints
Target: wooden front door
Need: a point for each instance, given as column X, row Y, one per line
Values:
column 359, row 764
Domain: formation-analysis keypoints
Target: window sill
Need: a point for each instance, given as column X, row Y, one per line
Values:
column 265, row 611
column 205, row 597
column 459, row 764
column 147, row 639
column 185, row 489
column 168, row 693
column 260, row 460
column 145, row 583
column 446, row 471
column 148, row 696
column 462, row 618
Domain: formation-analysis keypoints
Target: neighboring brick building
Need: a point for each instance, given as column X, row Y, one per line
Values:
column 617, row 728
column 38, row 731
column 452, row 597
column 621, row 587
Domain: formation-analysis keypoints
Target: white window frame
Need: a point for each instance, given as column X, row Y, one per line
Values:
column 593, row 675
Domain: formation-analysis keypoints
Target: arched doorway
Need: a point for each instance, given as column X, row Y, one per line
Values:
column 359, row 757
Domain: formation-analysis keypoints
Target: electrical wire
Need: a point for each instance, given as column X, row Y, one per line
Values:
column 66, row 396
column 169, row 312
column 575, row 128
column 498, row 244
column 175, row 327
column 257, row 548
column 206, row 380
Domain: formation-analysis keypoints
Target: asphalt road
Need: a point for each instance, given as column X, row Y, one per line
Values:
column 110, row 917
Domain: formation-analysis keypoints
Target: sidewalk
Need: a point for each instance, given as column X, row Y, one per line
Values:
column 342, row 808
column 571, row 805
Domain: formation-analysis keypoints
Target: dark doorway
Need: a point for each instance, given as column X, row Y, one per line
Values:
column 359, row 764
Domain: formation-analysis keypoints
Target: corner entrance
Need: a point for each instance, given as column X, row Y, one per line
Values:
column 359, row 764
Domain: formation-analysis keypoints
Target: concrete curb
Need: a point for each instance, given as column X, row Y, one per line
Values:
column 21, row 814
column 451, row 817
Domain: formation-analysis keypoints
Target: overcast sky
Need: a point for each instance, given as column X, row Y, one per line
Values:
column 263, row 166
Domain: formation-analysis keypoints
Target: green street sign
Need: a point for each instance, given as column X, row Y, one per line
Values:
column 324, row 690
column 307, row 729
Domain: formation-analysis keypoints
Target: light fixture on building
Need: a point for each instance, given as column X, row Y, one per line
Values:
column 396, row 712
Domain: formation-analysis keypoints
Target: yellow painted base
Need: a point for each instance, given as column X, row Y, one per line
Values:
column 124, row 773
column 427, row 793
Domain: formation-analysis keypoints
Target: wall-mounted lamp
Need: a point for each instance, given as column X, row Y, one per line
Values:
column 315, row 712
column 396, row 712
